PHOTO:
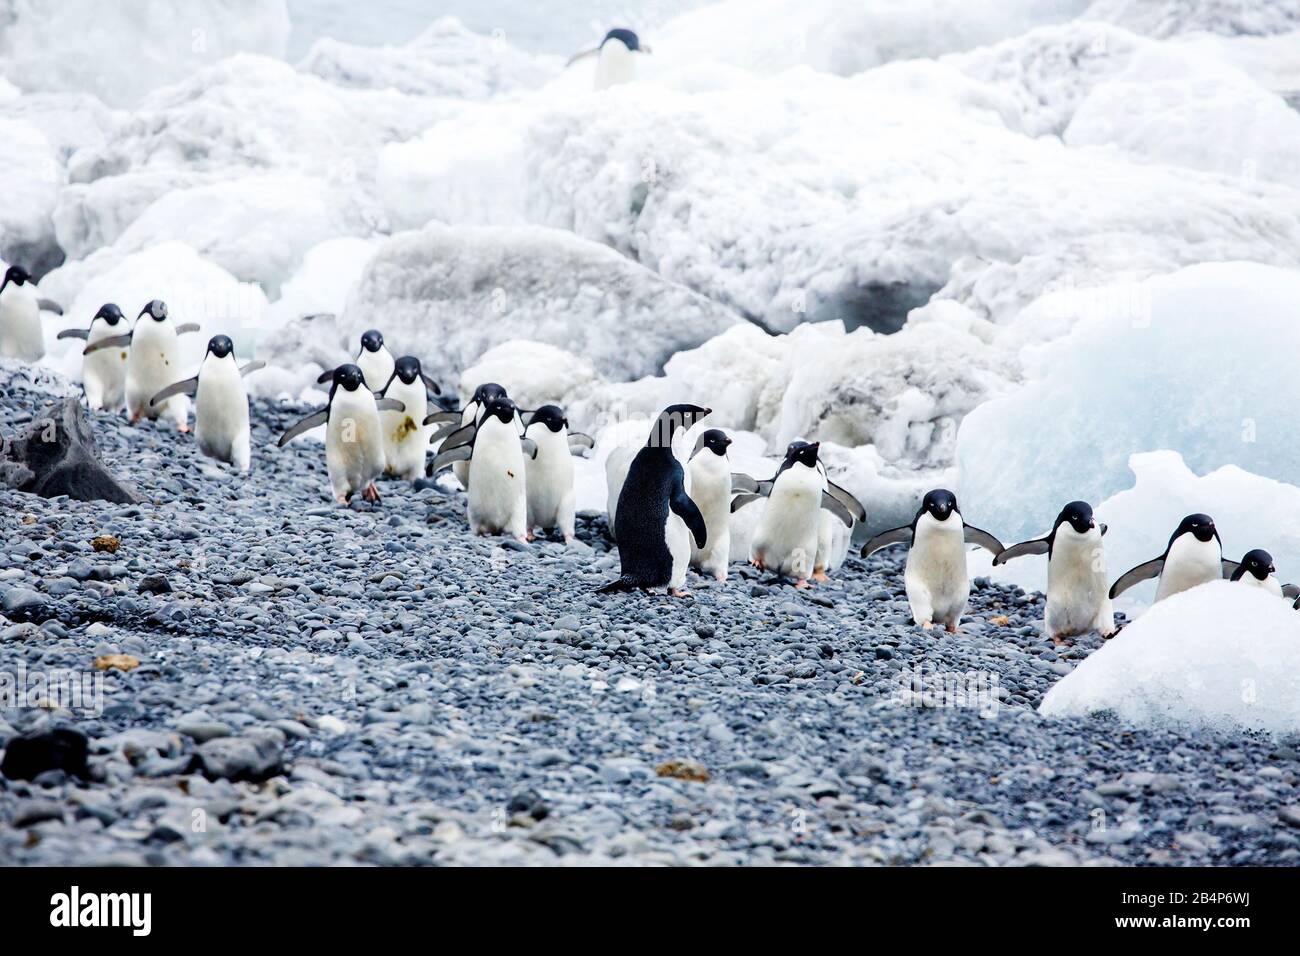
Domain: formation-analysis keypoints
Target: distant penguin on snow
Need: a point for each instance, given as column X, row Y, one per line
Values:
column 103, row 373
column 550, row 472
column 1194, row 555
column 220, row 403
column 406, row 440
column 936, row 578
column 354, row 442
column 1256, row 570
column 374, row 360
column 710, row 472
column 616, row 55
column 1077, row 601
column 656, row 516
column 21, row 335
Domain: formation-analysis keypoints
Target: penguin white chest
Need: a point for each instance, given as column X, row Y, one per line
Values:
column 787, row 533
column 1077, row 598
column 549, row 478
column 354, row 448
column 616, row 64
column 221, row 412
column 1269, row 584
column 1189, row 562
column 406, row 438
column 935, row 577
column 377, row 367
column 20, row 324
column 497, row 499
column 103, row 373
column 710, row 489
column 151, row 365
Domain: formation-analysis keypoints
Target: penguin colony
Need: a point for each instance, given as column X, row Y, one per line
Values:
column 669, row 510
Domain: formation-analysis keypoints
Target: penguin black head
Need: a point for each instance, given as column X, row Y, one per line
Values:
column 552, row 416
column 801, row 452
column 349, row 377
column 407, row 368
column 1258, row 563
column 17, row 275
column 156, row 310
column 372, row 341
column 501, row 408
column 110, row 313
column 1079, row 516
column 671, row 419
column 220, row 346
column 939, row 504
column 627, row 37
column 716, row 441
column 488, row 391
column 1198, row 525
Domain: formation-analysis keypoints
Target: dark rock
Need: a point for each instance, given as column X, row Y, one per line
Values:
column 29, row 755
column 529, row 802
column 154, row 584
column 57, row 456
column 255, row 757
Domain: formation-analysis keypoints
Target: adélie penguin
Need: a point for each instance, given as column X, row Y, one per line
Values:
column 220, row 403
column 710, row 473
column 103, row 373
column 373, row 358
column 1256, row 570
column 151, row 363
column 1193, row 556
column 497, row 499
column 469, row 415
column 1077, row 599
column 550, row 471
column 788, row 534
column 935, row 577
column 656, row 516
column 406, row 440
column 21, row 335
column 354, row 442
column 616, row 57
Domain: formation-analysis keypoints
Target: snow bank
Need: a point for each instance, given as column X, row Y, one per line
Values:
column 534, row 374
column 121, row 51
column 1224, row 657
column 1167, row 18
column 450, row 294
column 328, row 274
column 1198, row 362
column 445, row 60
column 69, row 121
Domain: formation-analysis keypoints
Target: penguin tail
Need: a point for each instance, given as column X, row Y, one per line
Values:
column 623, row 583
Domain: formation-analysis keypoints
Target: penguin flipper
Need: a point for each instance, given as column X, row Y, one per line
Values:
column 686, row 509
column 613, row 587
column 442, row 418
column 1291, row 590
column 847, row 499
column 430, row 384
column 1231, row 569
column 985, row 540
column 112, row 342
column 744, row 484
column 314, row 420
column 581, row 56
column 581, row 440
column 442, row 432
column 901, row 535
column 446, row 458
column 837, row 508
column 1143, row 572
column 49, row 305
column 530, row 447
column 187, row 327
column 1103, row 527
column 464, row 435
column 187, row 387
column 73, row 334
column 251, row 367
column 740, row 501
column 1037, row 546
column 389, row 405
column 325, row 376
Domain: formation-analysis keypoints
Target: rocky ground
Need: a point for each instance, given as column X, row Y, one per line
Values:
column 325, row 685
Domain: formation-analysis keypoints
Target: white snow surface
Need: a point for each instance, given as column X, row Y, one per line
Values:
column 1223, row 656
column 1167, row 18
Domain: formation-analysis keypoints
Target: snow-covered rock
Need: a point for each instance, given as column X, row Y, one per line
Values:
column 328, row 274
column 121, row 51
column 451, row 293
column 30, row 176
column 1167, row 18
column 445, row 60
column 1197, row 362
column 69, row 121
column 534, row 373
column 1223, row 657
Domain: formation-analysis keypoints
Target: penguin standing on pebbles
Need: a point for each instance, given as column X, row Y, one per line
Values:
column 550, row 471
column 354, row 442
column 406, row 439
column 374, row 360
column 468, row 415
column 1194, row 555
column 1077, row 601
column 1256, row 570
column 656, row 516
column 497, row 500
column 151, row 363
column 936, row 579
column 220, row 403
column 710, row 473
column 616, row 55
column 103, row 373
column 21, row 335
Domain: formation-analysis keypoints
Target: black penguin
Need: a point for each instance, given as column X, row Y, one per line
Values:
column 655, row 485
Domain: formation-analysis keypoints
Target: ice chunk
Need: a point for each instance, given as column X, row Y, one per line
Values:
column 449, row 294
column 329, row 272
column 1197, row 362
column 121, row 51
column 1224, row 657
column 70, row 121
column 30, row 176
column 1167, row 18
column 445, row 60
column 534, row 374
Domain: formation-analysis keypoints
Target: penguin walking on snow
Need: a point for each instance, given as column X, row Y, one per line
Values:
column 1077, row 600
column 1256, row 570
column 550, row 471
column 220, row 403
column 354, row 442
column 21, row 335
column 936, row 579
column 616, row 58
column 151, row 363
column 788, row 536
column 497, row 499
column 103, row 373
column 374, row 360
column 406, row 439
column 710, row 473
column 656, row 516
column 1194, row 555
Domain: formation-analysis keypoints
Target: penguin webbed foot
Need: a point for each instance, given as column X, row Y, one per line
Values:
column 820, row 576
column 952, row 628
column 802, row 583
column 679, row 593
column 370, row 493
